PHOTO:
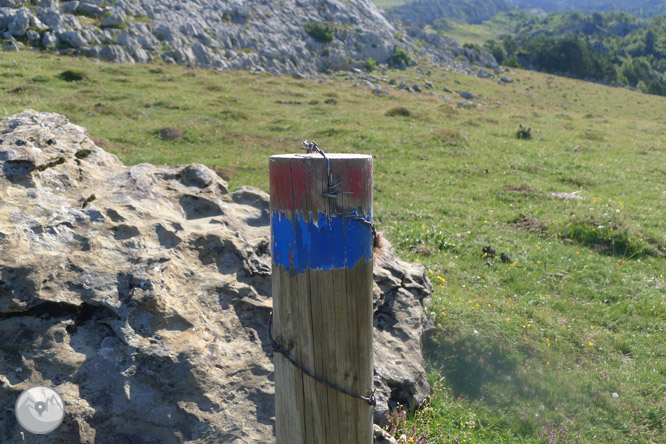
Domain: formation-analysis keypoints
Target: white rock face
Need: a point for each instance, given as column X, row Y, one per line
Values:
column 250, row 35
column 142, row 295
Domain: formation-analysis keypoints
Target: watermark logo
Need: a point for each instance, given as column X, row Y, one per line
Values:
column 40, row 410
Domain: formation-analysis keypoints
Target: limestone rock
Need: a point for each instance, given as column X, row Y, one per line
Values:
column 89, row 9
column 19, row 24
column 116, row 19
column 381, row 436
column 142, row 295
column 252, row 35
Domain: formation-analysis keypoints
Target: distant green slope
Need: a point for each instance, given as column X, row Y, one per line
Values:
column 494, row 28
column 611, row 47
column 389, row 3
column 642, row 8
column 432, row 12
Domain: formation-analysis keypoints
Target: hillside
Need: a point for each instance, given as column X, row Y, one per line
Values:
column 642, row 8
column 612, row 47
column 286, row 37
column 436, row 12
column 547, row 250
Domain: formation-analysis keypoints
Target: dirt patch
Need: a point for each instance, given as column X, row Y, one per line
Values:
column 526, row 223
column 105, row 109
column 423, row 250
column 226, row 173
column 107, row 145
column 652, row 149
column 171, row 134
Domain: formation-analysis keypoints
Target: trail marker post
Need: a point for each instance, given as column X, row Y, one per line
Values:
column 322, row 239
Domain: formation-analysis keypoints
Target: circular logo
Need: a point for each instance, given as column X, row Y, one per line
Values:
column 40, row 410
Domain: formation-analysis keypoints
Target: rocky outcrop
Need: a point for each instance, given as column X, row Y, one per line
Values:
column 284, row 37
column 142, row 295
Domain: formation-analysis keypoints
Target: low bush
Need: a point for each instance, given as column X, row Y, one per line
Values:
column 72, row 76
column 398, row 111
column 523, row 132
column 399, row 57
column 320, row 32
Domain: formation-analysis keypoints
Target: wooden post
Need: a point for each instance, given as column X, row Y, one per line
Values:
column 322, row 298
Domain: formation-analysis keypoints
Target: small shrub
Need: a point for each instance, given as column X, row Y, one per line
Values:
column 512, row 61
column 72, row 76
column 400, row 57
column 398, row 111
column 473, row 47
column 370, row 65
column 523, row 132
column 320, row 32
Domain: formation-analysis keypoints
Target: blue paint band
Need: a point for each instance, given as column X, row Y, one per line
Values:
column 327, row 243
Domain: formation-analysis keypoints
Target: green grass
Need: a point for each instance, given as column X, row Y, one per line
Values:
column 563, row 340
column 491, row 29
column 389, row 3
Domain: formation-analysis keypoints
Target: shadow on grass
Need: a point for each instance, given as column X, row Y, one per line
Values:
column 609, row 239
column 469, row 363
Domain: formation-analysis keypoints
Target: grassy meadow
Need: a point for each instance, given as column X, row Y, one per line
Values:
column 550, row 313
column 494, row 28
column 388, row 3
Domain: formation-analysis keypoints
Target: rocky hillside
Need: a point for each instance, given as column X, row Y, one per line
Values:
column 142, row 295
column 286, row 36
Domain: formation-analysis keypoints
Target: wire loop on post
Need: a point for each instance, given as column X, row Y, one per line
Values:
column 277, row 347
column 333, row 188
